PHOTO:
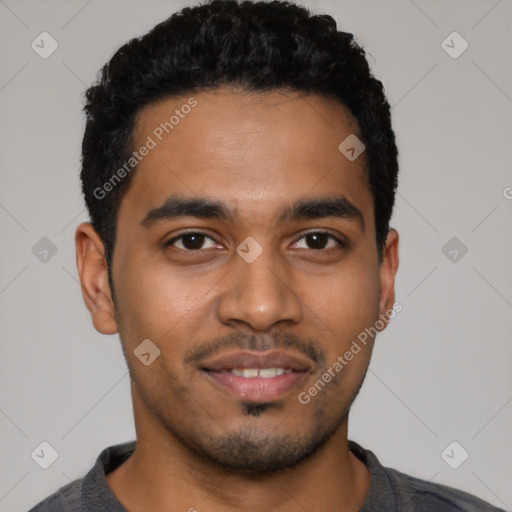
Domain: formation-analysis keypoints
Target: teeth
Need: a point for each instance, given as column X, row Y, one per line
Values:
column 264, row 373
column 267, row 373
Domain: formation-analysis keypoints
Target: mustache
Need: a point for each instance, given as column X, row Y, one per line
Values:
column 245, row 341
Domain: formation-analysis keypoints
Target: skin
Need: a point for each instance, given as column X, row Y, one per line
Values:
column 255, row 153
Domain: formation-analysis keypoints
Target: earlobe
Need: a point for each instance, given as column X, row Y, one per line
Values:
column 92, row 271
column 388, row 270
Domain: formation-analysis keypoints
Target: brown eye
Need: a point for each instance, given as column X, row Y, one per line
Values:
column 319, row 241
column 191, row 241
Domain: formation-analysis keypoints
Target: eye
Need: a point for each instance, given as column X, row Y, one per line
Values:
column 319, row 240
column 192, row 241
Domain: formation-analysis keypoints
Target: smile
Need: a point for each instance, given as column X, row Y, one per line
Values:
column 264, row 373
column 257, row 376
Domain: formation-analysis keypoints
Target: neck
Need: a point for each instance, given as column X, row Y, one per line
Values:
column 162, row 474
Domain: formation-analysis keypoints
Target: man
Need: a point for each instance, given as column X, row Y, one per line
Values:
column 239, row 167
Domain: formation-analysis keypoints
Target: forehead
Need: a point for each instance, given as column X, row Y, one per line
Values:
column 253, row 151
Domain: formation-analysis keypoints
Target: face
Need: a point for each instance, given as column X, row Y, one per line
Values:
column 246, row 254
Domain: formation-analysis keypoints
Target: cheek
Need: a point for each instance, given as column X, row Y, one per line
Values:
column 346, row 302
column 157, row 301
column 345, row 310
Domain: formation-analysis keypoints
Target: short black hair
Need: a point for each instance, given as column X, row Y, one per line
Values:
column 258, row 46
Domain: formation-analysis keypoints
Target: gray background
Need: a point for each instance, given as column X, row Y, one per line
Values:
column 440, row 373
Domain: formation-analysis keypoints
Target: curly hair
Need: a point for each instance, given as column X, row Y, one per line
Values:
column 258, row 46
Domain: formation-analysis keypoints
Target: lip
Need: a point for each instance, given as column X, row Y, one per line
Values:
column 257, row 389
column 251, row 359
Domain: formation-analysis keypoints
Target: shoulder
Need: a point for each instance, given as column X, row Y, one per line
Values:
column 66, row 499
column 423, row 496
column 92, row 491
column 393, row 490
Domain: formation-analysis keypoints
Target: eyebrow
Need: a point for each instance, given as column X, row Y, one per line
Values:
column 206, row 208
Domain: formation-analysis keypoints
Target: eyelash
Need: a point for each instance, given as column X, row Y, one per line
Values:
column 191, row 252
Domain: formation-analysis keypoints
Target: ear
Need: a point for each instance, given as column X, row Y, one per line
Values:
column 387, row 271
column 92, row 270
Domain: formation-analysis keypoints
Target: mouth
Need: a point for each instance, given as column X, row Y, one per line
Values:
column 257, row 376
column 264, row 373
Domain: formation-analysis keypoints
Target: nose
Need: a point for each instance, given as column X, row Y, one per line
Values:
column 259, row 294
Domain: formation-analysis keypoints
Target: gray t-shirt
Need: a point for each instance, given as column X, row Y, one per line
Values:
column 389, row 491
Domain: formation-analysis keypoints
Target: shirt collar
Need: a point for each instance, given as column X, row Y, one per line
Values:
column 97, row 496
